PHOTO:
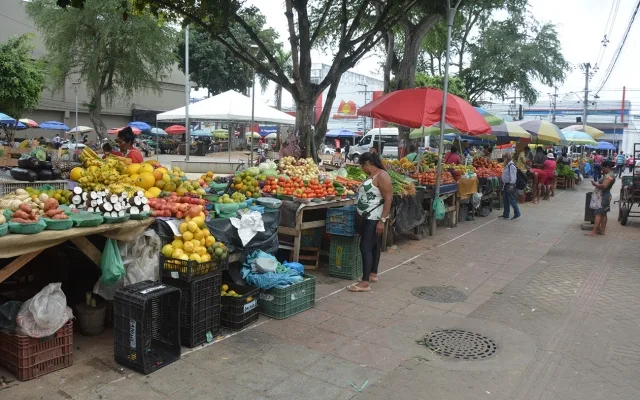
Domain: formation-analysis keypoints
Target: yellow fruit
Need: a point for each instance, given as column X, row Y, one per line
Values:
column 187, row 236
column 195, row 257
column 170, row 187
column 203, row 242
column 198, row 234
column 167, row 250
column 177, row 253
column 209, row 241
column 162, row 170
column 195, row 242
column 224, row 287
column 188, row 247
column 181, row 191
column 76, row 174
column 196, row 248
column 249, row 299
column 133, row 169
column 184, row 257
column 183, row 227
column 166, row 178
column 146, row 168
column 202, row 250
column 231, row 292
column 177, row 244
column 134, row 177
column 146, row 179
column 160, row 184
column 192, row 226
column 199, row 221
column 206, row 232
column 205, row 257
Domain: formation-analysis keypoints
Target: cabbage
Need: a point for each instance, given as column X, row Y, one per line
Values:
column 253, row 171
column 270, row 172
column 267, row 165
column 342, row 172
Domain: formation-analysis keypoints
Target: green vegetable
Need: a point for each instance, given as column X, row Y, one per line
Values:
column 355, row 173
column 565, row 171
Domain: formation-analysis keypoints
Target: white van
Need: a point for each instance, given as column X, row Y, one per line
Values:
column 390, row 137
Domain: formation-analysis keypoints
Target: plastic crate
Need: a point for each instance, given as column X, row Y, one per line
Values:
column 28, row 358
column 345, row 259
column 186, row 270
column 341, row 221
column 311, row 237
column 236, row 312
column 199, row 308
column 283, row 303
column 146, row 326
column 10, row 185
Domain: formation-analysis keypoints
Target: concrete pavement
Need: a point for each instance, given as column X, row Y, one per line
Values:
column 544, row 313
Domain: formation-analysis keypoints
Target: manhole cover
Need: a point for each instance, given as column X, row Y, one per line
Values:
column 439, row 294
column 460, row 345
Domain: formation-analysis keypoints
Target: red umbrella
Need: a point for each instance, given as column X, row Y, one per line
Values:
column 420, row 107
column 114, row 131
column 176, row 130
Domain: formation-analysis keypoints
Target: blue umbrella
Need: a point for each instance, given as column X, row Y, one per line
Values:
column 143, row 126
column 6, row 120
column 54, row 125
column 341, row 133
column 156, row 132
column 603, row 146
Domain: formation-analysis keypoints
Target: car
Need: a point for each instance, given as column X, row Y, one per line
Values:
column 328, row 150
column 72, row 146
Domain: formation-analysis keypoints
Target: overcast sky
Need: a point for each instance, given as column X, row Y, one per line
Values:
column 581, row 27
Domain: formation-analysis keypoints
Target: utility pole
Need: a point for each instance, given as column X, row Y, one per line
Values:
column 187, row 135
column 364, row 119
column 555, row 99
column 587, row 66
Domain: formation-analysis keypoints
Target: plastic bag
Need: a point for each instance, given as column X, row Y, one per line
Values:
column 45, row 313
column 111, row 264
column 294, row 265
column 438, row 208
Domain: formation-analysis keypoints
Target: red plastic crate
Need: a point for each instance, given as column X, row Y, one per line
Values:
column 28, row 358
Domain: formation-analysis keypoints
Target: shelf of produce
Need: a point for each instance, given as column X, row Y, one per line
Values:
column 299, row 226
column 27, row 247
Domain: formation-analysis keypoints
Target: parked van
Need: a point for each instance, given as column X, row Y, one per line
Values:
column 390, row 137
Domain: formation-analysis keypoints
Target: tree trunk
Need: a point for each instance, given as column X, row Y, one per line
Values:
column 321, row 124
column 95, row 115
column 388, row 64
column 279, row 107
column 304, row 122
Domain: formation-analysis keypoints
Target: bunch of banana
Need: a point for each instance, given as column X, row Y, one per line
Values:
column 124, row 160
column 88, row 154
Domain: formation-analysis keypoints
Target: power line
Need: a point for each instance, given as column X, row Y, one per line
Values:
column 607, row 32
column 613, row 62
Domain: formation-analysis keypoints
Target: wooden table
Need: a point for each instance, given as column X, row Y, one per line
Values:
column 27, row 247
column 300, row 226
column 452, row 209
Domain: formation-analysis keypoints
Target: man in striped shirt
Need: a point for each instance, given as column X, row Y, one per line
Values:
column 620, row 163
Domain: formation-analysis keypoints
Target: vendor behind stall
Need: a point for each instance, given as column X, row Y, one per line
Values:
column 107, row 149
column 413, row 154
column 125, row 141
column 452, row 156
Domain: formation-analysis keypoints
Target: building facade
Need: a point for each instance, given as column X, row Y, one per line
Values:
column 60, row 105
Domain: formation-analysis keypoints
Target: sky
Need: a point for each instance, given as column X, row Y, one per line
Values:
column 581, row 26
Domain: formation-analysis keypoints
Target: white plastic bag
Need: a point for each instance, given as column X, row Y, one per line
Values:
column 45, row 313
column 140, row 258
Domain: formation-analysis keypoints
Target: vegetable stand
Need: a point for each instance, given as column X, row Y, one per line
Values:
column 294, row 224
column 27, row 247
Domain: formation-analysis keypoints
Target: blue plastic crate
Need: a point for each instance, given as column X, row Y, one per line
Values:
column 342, row 221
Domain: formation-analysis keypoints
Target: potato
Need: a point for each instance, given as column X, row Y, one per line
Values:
column 60, row 216
column 20, row 214
column 26, row 208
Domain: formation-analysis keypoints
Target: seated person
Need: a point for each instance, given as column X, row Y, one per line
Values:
column 412, row 153
column 452, row 156
column 337, row 159
column 107, row 149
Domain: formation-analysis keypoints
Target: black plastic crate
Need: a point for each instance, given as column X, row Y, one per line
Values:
column 237, row 313
column 345, row 259
column 146, row 326
column 283, row 303
column 199, row 309
column 187, row 270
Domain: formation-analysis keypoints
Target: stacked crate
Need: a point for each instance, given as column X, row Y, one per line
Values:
column 345, row 260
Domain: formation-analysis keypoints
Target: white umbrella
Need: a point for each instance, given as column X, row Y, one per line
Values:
column 252, row 134
column 273, row 135
column 81, row 129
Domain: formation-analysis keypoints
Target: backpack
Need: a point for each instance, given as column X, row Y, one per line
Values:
column 521, row 179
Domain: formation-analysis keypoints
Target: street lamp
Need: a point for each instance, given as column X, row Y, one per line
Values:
column 75, row 88
column 254, row 48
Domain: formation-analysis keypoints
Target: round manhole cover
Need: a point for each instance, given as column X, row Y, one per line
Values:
column 439, row 294
column 460, row 344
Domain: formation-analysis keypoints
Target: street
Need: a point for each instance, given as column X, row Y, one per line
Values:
column 527, row 309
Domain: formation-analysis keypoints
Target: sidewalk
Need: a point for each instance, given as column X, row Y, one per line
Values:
column 554, row 313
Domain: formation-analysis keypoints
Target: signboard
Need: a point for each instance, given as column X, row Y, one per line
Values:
column 265, row 130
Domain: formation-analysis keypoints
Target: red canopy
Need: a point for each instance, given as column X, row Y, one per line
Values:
column 114, row 131
column 422, row 107
column 176, row 130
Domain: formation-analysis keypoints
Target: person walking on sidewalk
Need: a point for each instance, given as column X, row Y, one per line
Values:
column 601, row 198
column 620, row 163
column 509, row 179
column 375, row 196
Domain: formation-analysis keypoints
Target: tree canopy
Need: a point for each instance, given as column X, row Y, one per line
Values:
column 456, row 86
column 22, row 79
column 361, row 25
column 214, row 67
column 114, row 56
column 495, row 57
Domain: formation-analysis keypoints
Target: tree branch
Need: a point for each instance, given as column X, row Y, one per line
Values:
column 321, row 21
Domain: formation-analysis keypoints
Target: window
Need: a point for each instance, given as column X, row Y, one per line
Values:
column 365, row 141
column 390, row 140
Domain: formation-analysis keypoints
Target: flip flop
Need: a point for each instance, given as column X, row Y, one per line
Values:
column 371, row 280
column 356, row 288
